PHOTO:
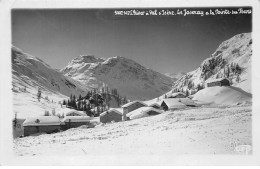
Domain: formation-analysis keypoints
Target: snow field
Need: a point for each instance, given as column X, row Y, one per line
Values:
column 214, row 130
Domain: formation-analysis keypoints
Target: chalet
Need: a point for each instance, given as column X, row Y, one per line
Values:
column 131, row 106
column 177, row 103
column 74, row 121
column 176, row 95
column 143, row 112
column 41, row 124
column 218, row 82
column 172, row 104
column 114, row 114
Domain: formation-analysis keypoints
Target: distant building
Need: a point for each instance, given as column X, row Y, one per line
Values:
column 114, row 114
column 143, row 112
column 74, row 121
column 218, row 82
column 176, row 95
column 41, row 124
column 177, row 103
column 127, row 108
column 172, row 104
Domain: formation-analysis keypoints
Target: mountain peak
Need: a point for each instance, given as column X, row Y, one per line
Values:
column 129, row 77
column 86, row 59
column 232, row 59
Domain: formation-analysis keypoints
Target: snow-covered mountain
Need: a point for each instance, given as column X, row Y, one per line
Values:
column 231, row 60
column 130, row 78
column 175, row 76
column 32, row 73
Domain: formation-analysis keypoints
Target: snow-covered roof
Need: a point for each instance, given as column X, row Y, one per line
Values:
column 175, row 94
column 154, row 104
column 76, row 119
column 174, row 103
column 117, row 110
column 215, row 80
column 42, row 121
column 142, row 112
column 80, row 113
column 133, row 102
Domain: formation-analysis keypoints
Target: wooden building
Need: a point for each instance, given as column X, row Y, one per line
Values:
column 74, row 121
column 114, row 114
column 41, row 124
column 177, row 103
column 143, row 112
column 172, row 104
column 131, row 106
column 218, row 82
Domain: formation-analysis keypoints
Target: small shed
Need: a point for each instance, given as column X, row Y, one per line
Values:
column 218, row 82
column 41, row 124
column 143, row 112
column 131, row 106
column 74, row 121
column 176, row 95
column 114, row 114
column 172, row 104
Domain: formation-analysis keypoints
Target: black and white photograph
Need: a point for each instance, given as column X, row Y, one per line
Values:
column 130, row 85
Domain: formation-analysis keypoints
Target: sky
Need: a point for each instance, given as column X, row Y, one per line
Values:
column 167, row 44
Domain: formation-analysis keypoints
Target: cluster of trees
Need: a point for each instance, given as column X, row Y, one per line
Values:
column 39, row 96
column 211, row 66
column 95, row 102
column 191, row 88
column 232, row 69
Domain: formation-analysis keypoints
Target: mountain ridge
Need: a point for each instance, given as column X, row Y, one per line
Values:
column 30, row 71
column 232, row 57
column 129, row 77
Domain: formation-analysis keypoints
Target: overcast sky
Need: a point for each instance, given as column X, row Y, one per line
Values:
column 163, row 43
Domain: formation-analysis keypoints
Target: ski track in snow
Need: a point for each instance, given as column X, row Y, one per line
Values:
column 206, row 130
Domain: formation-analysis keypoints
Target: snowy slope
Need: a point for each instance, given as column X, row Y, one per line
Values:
column 130, row 78
column 30, row 73
column 236, row 50
column 194, row 131
column 223, row 95
column 175, row 76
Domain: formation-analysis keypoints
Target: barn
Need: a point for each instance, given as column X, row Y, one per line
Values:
column 74, row 121
column 218, row 82
column 114, row 114
column 172, row 104
column 41, row 124
column 143, row 112
column 131, row 106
